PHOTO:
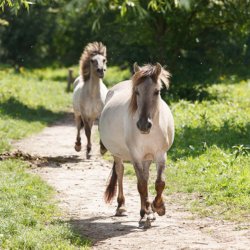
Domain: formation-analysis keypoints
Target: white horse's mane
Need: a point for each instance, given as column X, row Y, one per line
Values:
column 90, row 50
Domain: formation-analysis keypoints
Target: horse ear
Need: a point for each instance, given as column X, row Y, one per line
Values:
column 104, row 51
column 136, row 67
column 158, row 68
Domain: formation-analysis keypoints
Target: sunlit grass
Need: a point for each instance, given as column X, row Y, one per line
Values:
column 28, row 217
column 29, row 101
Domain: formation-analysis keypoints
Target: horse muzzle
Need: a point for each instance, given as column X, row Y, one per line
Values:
column 144, row 125
column 100, row 73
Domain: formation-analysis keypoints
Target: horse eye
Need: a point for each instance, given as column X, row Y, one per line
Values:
column 137, row 92
column 92, row 60
column 156, row 92
column 104, row 60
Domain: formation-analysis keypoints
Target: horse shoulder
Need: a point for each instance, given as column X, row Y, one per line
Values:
column 122, row 89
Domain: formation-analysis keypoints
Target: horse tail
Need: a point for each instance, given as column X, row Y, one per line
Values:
column 111, row 188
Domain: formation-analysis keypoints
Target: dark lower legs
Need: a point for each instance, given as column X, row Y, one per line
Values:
column 78, row 121
column 119, row 168
column 142, row 172
column 158, row 203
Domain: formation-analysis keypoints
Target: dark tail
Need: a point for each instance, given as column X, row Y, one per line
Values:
column 111, row 188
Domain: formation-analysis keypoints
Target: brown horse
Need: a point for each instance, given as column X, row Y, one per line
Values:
column 137, row 125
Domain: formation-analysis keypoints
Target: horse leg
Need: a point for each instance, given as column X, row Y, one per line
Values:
column 142, row 173
column 79, row 125
column 158, row 203
column 87, row 126
column 119, row 168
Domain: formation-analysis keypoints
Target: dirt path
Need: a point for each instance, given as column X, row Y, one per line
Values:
column 80, row 184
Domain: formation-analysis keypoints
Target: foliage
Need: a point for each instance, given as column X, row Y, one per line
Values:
column 200, row 41
column 14, row 5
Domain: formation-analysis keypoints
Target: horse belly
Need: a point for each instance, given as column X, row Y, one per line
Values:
column 111, row 128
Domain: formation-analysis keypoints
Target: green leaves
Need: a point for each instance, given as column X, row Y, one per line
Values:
column 15, row 5
column 243, row 150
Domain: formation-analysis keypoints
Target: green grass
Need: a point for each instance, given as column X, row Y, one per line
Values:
column 115, row 75
column 210, row 153
column 29, row 101
column 29, row 217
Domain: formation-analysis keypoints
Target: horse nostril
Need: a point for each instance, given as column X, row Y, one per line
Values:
column 138, row 125
column 149, row 125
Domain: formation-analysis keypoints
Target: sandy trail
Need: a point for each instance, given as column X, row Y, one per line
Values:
column 80, row 184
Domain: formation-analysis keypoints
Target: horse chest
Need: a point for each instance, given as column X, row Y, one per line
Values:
column 92, row 107
column 145, row 146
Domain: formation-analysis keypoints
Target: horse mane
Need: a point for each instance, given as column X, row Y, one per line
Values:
column 148, row 70
column 90, row 50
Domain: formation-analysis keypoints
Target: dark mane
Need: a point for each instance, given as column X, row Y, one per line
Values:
column 90, row 50
column 144, row 72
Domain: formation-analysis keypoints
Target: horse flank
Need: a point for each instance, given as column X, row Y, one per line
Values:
column 90, row 50
column 151, row 71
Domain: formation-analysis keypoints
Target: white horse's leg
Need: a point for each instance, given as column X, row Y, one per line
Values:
column 79, row 124
column 119, row 168
column 142, row 173
column 158, row 203
column 87, row 127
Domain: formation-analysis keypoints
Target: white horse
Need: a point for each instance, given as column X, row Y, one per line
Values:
column 89, row 91
column 136, row 125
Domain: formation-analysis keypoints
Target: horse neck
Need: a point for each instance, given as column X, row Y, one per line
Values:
column 156, row 117
column 94, row 85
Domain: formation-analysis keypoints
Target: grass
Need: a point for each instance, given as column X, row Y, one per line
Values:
column 210, row 154
column 29, row 101
column 115, row 74
column 29, row 217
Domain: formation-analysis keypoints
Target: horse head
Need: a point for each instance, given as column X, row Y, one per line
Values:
column 98, row 65
column 147, row 83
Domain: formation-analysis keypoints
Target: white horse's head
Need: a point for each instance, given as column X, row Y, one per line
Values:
column 93, row 60
column 147, row 83
column 98, row 65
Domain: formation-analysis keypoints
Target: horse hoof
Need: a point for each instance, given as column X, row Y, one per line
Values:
column 121, row 211
column 151, row 217
column 145, row 223
column 160, row 210
column 78, row 148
